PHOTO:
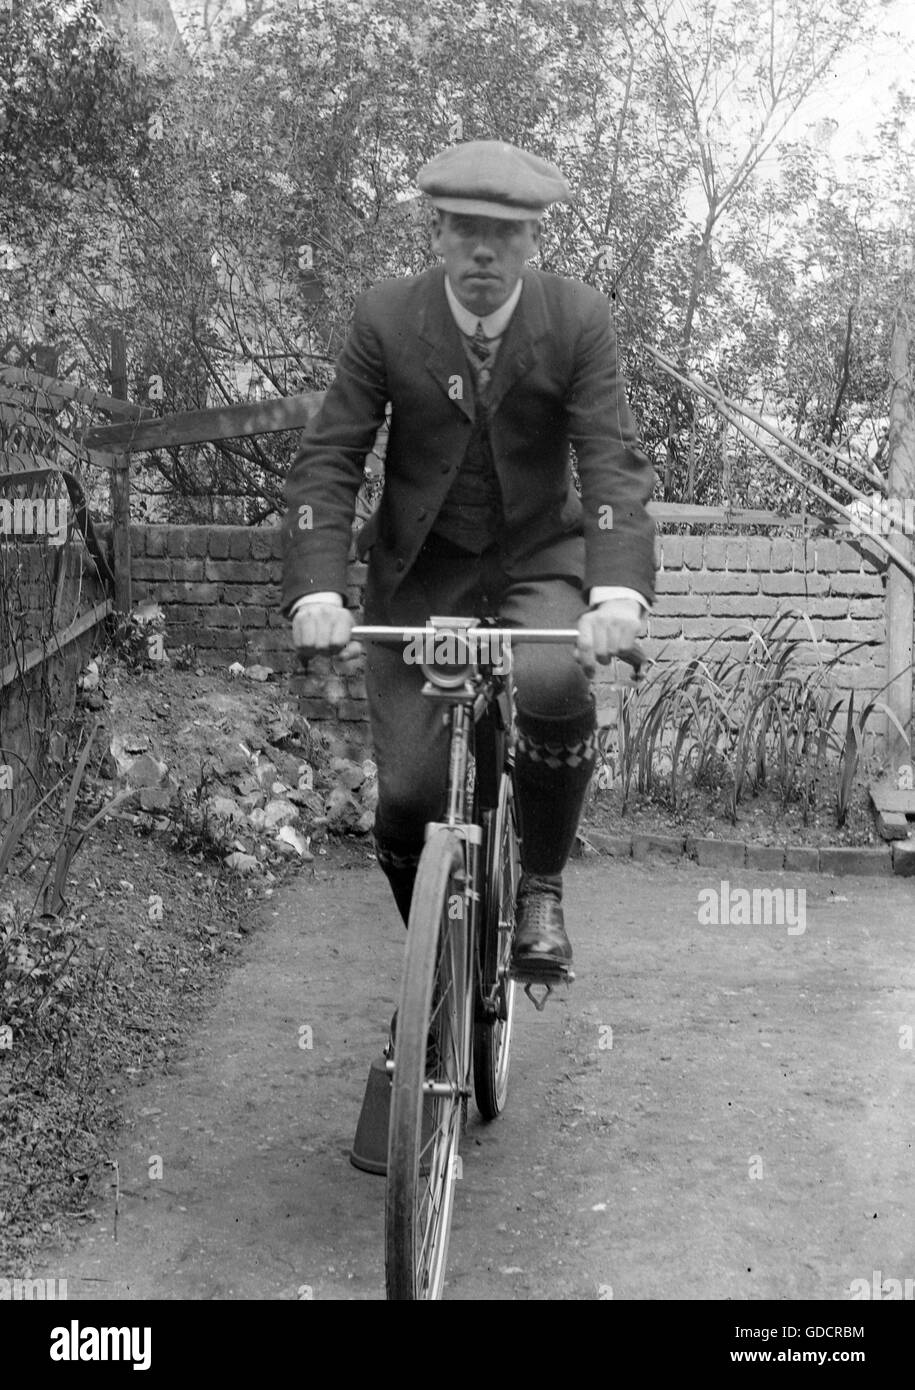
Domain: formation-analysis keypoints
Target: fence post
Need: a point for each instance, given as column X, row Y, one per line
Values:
column 120, row 485
column 899, row 593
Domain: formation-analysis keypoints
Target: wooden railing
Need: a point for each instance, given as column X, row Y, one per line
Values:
column 208, row 426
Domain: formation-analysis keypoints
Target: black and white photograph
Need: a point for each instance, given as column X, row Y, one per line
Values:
column 457, row 603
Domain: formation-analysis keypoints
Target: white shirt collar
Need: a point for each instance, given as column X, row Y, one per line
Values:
column 494, row 324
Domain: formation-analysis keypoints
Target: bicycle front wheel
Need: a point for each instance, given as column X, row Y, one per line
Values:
column 431, row 1075
column 492, row 1033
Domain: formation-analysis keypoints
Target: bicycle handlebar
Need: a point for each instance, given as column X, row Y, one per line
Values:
column 633, row 656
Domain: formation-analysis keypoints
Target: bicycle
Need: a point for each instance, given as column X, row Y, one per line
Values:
column 457, row 998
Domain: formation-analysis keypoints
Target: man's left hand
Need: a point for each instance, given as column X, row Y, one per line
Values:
column 604, row 631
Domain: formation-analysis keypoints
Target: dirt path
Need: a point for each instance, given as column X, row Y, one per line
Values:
column 748, row 1134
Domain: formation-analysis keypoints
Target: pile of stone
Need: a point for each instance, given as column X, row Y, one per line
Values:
column 274, row 792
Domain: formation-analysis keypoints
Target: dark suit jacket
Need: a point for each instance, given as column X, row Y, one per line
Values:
column 556, row 380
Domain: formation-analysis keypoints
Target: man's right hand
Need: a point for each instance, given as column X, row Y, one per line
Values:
column 323, row 629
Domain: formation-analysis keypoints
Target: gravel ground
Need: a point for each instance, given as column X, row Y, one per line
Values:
column 712, row 1112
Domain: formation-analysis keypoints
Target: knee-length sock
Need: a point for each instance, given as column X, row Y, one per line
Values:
column 554, row 760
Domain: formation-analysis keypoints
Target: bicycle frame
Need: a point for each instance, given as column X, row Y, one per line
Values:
column 478, row 694
column 478, row 698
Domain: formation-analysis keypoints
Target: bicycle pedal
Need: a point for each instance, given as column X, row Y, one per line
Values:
column 539, row 1003
column 547, row 972
column 546, row 979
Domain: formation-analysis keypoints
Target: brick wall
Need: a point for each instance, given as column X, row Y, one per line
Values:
column 715, row 587
column 219, row 586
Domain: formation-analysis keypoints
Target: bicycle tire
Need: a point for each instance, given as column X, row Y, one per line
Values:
column 492, row 1037
column 419, row 1197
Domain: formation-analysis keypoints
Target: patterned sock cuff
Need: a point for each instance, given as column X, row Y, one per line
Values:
column 568, row 731
column 581, row 752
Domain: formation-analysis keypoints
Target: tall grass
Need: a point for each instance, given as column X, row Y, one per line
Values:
column 760, row 718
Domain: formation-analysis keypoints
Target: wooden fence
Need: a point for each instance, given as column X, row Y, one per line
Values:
column 56, row 591
column 145, row 435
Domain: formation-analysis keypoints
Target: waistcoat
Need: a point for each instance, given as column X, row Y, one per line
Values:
column 471, row 514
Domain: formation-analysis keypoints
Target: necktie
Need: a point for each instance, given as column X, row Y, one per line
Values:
column 483, row 353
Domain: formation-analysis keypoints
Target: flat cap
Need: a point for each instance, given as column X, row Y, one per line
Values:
column 488, row 178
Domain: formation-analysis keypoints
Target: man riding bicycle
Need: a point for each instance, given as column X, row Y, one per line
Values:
column 492, row 369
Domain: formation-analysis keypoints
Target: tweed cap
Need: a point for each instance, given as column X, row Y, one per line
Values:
column 488, row 178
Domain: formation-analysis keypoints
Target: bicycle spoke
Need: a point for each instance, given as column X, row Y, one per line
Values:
column 434, row 1190
column 492, row 1035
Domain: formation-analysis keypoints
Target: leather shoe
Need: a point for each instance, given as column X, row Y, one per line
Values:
column 541, row 947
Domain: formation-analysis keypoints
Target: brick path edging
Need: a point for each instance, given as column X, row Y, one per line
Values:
column 710, row 853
